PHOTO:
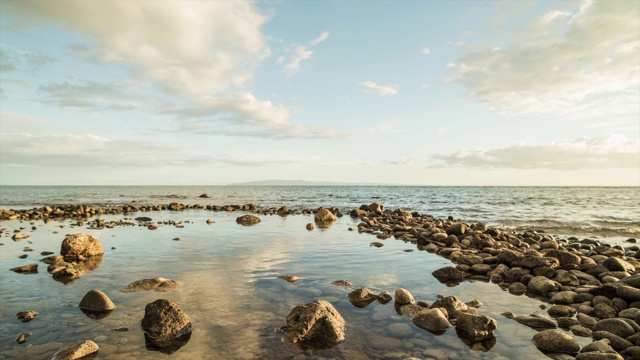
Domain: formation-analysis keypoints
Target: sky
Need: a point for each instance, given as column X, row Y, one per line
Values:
column 512, row 93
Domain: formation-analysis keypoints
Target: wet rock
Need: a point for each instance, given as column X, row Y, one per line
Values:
column 22, row 338
column 362, row 297
column 452, row 305
column 543, row 286
column 19, row 236
column 26, row 316
column 615, row 326
column 617, row 264
column 457, row 229
column 26, row 269
column 601, row 345
column 310, row 226
column 598, row 356
column 579, row 330
column 556, row 341
column 479, row 327
column 210, row 221
column 167, row 328
column 604, row 311
column 536, row 322
column 616, row 342
column 377, row 244
column 289, row 278
column 96, row 300
column 564, row 298
column 122, row 329
column 152, row 284
column 316, row 325
column 628, row 293
column 143, row 219
column 384, row 297
column 77, row 247
column 85, row 350
column 517, row 288
column 203, row 196
column 341, row 283
column 433, row 320
column 324, row 216
column 448, row 274
column 404, row 297
column 561, row 311
column 248, row 220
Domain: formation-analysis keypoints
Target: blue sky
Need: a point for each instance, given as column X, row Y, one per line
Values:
column 408, row 92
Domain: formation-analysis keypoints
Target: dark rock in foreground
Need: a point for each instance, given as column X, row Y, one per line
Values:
column 85, row 351
column 167, row 328
column 556, row 341
column 316, row 325
column 77, row 247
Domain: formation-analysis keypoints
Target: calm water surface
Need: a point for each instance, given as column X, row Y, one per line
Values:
column 231, row 291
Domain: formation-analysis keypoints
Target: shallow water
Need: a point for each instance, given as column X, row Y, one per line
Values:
column 231, row 291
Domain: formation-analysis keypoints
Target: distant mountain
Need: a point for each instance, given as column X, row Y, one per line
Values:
column 301, row 183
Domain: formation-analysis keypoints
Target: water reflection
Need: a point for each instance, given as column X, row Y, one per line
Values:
column 96, row 315
column 167, row 346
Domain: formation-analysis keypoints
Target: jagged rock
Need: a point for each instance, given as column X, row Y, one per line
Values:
column 434, row 320
column 556, row 341
column 478, row 327
column 166, row 326
column 85, row 350
column 448, row 274
column 248, row 220
column 152, row 284
column 316, row 325
column 77, row 247
column 362, row 297
column 451, row 304
column 404, row 297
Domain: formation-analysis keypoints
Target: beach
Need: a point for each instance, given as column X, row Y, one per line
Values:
column 230, row 285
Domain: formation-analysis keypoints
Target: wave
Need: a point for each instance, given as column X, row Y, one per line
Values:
column 602, row 228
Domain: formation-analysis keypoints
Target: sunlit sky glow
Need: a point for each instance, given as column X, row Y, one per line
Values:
column 416, row 92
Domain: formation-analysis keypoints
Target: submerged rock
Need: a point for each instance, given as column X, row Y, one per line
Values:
column 478, row 327
column 152, row 284
column 448, row 274
column 26, row 269
column 316, row 325
column 341, row 283
column 289, row 278
column 248, row 220
column 85, row 350
column 167, row 328
column 22, row 338
column 432, row 320
column 26, row 316
column 362, row 297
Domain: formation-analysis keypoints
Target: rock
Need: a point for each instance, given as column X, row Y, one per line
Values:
column 451, row 304
column 615, row 326
column 433, row 320
column 384, row 297
column 210, row 221
column 143, row 219
column 543, row 286
column 84, row 350
column 376, row 208
column 457, row 229
column 517, row 288
column 19, row 236
column 310, row 226
column 601, row 345
column 628, row 293
column 448, row 274
column 376, row 244
column 561, row 311
column 580, row 330
column 536, row 322
column 604, row 311
column 26, row 316
column 96, row 300
column 564, row 298
column 22, row 338
column 316, row 325
column 341, row 283
column 598, row 356
column 77, row 247
column 404, row 297
column 324, row 216
column 617, row 343
column 617, row 264
column 362, row 297
column 289, row 278
column 248, row 220
column 556, row 341
column 166, row 326
column 204, row 196
column 153, row 284
column 26, row 269
column 478, row 327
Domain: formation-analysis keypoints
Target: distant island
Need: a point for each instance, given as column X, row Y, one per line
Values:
column 302, row 183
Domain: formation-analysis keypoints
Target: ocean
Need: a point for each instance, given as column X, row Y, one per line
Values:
column 229, row 273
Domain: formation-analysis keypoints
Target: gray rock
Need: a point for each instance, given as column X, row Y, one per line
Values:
column 448, row 274
column 316, row 325
column 85, row 350
column 628, row 293
column 77, row 247
column 478, row 327
column 556, row 341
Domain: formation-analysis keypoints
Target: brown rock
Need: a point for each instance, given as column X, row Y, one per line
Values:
column 152, row 284
column 166, row 326
column 85, row 350
column 77, row 247
column 248, row 220
column 316, row 325
column 26, row 316
column 96, row 300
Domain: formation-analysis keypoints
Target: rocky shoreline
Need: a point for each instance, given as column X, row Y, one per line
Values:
column 593, row 289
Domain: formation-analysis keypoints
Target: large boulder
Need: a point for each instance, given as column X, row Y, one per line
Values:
column 324, row 216
column 77, row 247
column 433, row 320
column 479, row 327
column 152, row 284
column 556, row 341
column 248, row 220
column 316, row 325
column 85, row 350
column 167, row 328
column 450, row 303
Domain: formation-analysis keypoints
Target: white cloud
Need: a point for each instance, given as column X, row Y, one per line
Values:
column 198, row 47
column 613, row 151
column 373, row 88
column 583, row 66
column 299, row 53
column 93, row 95
column 426, row 51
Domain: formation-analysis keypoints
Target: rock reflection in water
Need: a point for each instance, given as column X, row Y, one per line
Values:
column 475, row 345
column 96, row 315
column 67, row 273
column 169, row 345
